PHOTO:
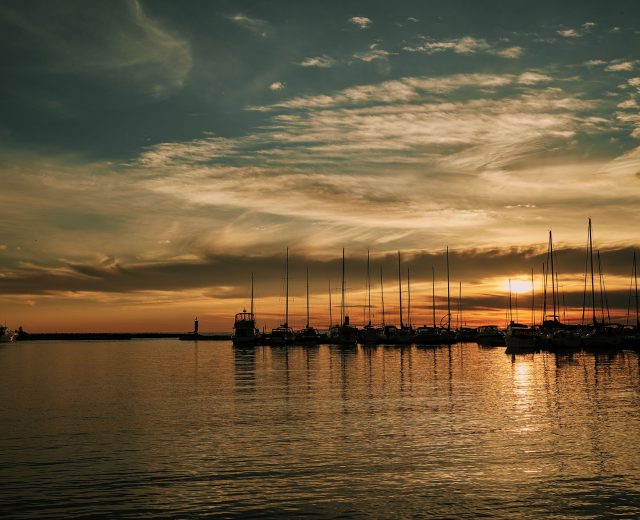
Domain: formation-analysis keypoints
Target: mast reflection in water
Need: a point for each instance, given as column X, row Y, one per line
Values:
column 162, row 427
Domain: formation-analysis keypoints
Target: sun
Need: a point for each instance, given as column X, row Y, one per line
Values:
column 517, row 286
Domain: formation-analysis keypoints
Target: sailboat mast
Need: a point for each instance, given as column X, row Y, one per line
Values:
column 533, row 301
column 460, row 305
column 400, row 290
column 409, row 297
column 603, row 292
column 544, row 289
column 342, row 313
column 382, row 295
column 330, row 311
column 448, row 295
column 286, row 314
column 433, row 294
column 307, row 297
column 251, row 295
column 368, row 287
column 593, row 287
column 509, row 306
column 635, row 276
column 553, row 285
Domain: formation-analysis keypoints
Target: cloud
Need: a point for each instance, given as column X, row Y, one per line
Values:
column 531, row 78
column 620, row 66
column 118, row 43
column 332, row 155
column 226, row 276
column 276, row 85
column 629, row 103
column 373, row 53
column 464, row 45
column 405, row 90
column 593, row 63
column 361, row 21
column 257, row 26
column 587, row 26
column 569, row 33
column 322, row 62
column 510, row 52
column 412, row 19
column 467, row 45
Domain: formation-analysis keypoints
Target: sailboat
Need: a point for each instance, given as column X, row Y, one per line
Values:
column 309, row 335
column 554, row 335
column 448, row 335
column 519, row 337
column 430, row 335
column 344, row 334
column 283, row 335
column 369, row 335
column 632, row 333
column 245, row 332
column 599, row 335
column 463, row 334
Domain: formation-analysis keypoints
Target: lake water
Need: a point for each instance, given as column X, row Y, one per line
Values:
column 168, row 428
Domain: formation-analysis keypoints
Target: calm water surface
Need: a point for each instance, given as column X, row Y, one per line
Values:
column 168, row 428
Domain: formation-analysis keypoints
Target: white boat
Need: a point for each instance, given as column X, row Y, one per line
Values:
column 245, row 332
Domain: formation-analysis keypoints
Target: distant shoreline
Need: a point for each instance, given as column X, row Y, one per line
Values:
column 78, row 336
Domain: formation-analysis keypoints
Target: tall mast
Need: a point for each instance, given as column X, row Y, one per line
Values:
column 382, row 295
column 533, row 301
column 433, row 294
column 544, row 288
column 510, row 307
column 368, row 288
column 635, row 276
column 584, row 291
column 553, row 285
column 448, row 295
column 603, row 291
column 330, row 311
column 286, row 317
column 409, row 297
column 460, row 305
column 307, row 297
column 342, row 314
column 400, row 290
column 252, row 295
column 593, row 286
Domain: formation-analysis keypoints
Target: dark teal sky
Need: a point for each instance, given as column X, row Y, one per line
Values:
column 150, row 137
column 87, row 77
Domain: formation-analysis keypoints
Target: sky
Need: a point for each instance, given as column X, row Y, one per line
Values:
column 154, row 154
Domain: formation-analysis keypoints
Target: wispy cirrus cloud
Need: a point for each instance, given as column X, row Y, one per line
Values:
column 571, row 33
column 321, row 62
column 466, row 45
column 350, row 137
column 374, row 52
column 126, row 47
column 257, row 26
column 407, row 89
